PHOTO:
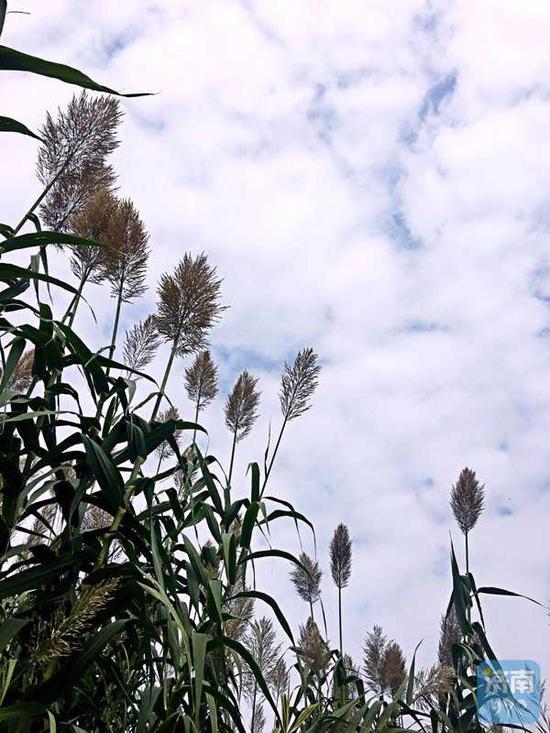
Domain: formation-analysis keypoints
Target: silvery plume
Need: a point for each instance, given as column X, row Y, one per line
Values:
column 72, row 161
column 188, row 304
column 141, row 343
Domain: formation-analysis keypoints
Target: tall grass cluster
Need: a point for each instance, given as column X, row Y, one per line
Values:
column 129, row 557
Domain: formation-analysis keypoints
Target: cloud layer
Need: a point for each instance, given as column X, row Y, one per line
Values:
column 372, row 183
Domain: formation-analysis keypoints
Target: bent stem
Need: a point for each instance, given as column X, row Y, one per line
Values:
column 114, row 335
column 232, row 457
column 196, row 417
column 277, row 444
column 70, row 313
column 340, row 621
column 44, row 193
column 165, row 378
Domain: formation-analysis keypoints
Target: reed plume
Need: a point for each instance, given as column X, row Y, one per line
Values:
column 384, row 664
column 201, row 381
column 21, row 376
column 307, row 580
column 141, row 343
column 42, row 523
column 340, row 567
column 299, row 381
column 240, row 609
column 280, row 679
column 432, row 685
column 72, row 161
column 312, row 648
column 467, row 500
column 91, row 222
column 343, row 692
column 188, row 306
column 241, row 411
column 67, row 633
column 165, row 450
column 450, row 634
column 123, row 261
column 261, row 642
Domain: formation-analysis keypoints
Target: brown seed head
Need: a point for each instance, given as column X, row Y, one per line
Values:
column 21, row 377
column 467, row 498
column 450, row 634
column 201, row 380
column 340, row 556
column 91, row 222
column 74, row 153
column 312, row 648
column 171, row 413
column 307, row 579
column 241, row 406
column 188, row 304
column 298, row 383
column 141, row 343
column 123, row 261
column 384, row 664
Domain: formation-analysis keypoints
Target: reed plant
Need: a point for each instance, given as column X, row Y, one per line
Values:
column 129, row 566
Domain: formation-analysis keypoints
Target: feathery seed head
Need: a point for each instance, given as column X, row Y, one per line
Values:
column 21, row 376
column 188, row 304
column 340, row 556
column 467, row 499
column 91, row 222
column 171, row 413
column 450, row 634
column 141, row 343
column 384, row 664
column 312, row 648
column 123, row 260
column 307, row 579
column 241, row 406
column 432, row 685
column 298, row 383
column 74, row 153
column 201, row 380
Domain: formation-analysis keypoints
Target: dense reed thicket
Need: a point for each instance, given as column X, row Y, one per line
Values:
column 128, row 599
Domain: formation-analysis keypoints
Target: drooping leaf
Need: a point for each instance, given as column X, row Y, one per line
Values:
column 8, row 124
column 12, row 60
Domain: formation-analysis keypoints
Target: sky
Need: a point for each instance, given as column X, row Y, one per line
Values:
column 370, row 179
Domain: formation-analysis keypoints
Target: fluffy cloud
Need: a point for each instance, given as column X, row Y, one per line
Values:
column 371, row 182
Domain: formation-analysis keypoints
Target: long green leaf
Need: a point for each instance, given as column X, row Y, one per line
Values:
column 8, row 124
column 12, row 60
column 43, row 238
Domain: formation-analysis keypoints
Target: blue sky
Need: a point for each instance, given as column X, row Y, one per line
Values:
column 372, row 183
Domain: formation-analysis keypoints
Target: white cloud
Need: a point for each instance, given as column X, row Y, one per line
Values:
column 286, row 140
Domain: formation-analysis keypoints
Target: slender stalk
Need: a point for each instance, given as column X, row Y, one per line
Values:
column 115, row 323
column 119, row 516
column 340, row 621
column 44, row 193
column 165, row 378
column 70, row 313
column 113, row 344
column 467, row 555
column 37, row 203
column 196, row 416
column 232, row 457
column 252, row 721
column 277, row 444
